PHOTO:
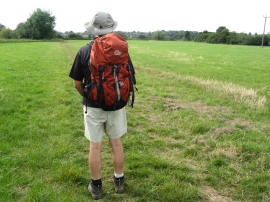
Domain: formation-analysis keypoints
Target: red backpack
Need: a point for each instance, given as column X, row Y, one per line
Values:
column 112, row 76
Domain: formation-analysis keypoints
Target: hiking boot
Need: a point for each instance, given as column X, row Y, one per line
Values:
column 119, row 184
column 96, row 191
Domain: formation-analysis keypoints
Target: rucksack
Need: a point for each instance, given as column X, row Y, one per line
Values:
column 112, row 77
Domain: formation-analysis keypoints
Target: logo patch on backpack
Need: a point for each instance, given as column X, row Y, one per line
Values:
column 112, row 77
column 117, row 52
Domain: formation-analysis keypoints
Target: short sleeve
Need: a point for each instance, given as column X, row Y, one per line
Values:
column 76, row 71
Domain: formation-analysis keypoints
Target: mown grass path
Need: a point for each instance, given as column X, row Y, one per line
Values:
column 199, row 130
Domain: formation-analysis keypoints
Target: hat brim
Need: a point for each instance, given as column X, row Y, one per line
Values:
column 96, row 32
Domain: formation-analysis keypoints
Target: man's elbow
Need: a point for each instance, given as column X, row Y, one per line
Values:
column 78, row 85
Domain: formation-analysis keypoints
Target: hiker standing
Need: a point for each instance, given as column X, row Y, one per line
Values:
column 97, row 120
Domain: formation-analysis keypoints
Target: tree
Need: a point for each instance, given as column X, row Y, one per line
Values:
column 212, row 38
column 74, row 36
column 2, row 27
column 203, row 36
column 23, row 30
column 158, row 35
column 187, row 35
column 142, row 36
column 40, row 25
column 233, row 38
column 222, row 34
column 5, row 33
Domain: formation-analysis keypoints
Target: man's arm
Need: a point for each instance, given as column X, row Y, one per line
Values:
column 79, row 86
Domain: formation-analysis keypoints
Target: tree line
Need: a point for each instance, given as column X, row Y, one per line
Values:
column 221, row 36
column 40, row 25
column 224, row 36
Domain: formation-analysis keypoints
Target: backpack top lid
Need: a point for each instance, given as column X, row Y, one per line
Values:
column 110, row 49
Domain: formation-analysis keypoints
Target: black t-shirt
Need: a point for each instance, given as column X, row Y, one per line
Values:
column 80, row 68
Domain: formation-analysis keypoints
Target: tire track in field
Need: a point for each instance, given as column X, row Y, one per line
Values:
column 239, row 94
column 69, row 52
column 173, row 150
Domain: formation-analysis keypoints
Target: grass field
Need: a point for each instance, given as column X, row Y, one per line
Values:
column 199, row 130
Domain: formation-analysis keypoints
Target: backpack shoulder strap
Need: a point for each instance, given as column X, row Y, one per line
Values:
column 85, row 52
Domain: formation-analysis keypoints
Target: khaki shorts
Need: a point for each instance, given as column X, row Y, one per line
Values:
column 98, row 121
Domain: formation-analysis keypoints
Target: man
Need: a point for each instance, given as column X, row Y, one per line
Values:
column 96, row 120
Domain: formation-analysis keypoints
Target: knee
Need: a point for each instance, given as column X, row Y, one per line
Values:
column 116, row 142
column 95, row 146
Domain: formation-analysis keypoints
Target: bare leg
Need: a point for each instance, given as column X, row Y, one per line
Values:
column 95, row 160
column 117, row 155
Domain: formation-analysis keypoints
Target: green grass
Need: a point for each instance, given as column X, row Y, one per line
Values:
column 199, row 130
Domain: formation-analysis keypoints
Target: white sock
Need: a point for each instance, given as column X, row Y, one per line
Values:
column 118, row 175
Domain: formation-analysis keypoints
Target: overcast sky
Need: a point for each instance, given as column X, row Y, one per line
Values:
column 146, row 15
